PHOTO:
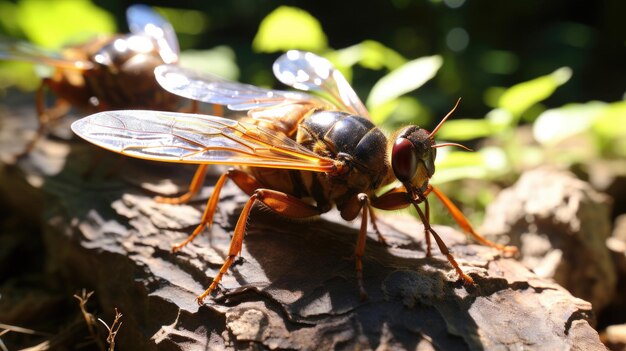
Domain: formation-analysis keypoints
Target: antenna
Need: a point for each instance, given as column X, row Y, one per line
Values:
column 451, row 144
column 432, row 134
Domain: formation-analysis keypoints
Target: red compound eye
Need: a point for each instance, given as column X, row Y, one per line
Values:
column 403, row 160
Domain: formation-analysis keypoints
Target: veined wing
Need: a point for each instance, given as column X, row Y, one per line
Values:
column 236, row 96
column 307, row 71
column 198, row 139
column 143, row 20
column 21, row 51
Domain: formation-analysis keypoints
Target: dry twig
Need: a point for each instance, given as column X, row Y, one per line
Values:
column 115, row 327
column 90, row 319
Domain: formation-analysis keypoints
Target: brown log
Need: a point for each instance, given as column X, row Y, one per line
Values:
column 294, row 286
column 561, row 225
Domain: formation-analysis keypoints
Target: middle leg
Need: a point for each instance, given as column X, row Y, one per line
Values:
column 281, row 203
column 360, row 204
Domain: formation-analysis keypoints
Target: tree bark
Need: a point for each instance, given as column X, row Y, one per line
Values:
column 294, row 286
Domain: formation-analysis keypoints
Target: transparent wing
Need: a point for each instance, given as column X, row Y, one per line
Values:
column 21, row 51
column 143, row 20
column 199, row 139
column 307, row 71
column 212, row 89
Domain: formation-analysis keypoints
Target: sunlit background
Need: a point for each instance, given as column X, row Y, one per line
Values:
column 533, row 75
column 541, row 82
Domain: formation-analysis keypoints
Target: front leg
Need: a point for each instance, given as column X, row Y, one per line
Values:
column 462, row 221
column 395, row 199
column 442, row 246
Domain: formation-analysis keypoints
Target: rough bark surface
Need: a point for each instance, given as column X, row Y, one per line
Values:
column 561, row 225
column 294, row 285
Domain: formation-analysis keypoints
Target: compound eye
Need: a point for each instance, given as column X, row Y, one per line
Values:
column 403, row 160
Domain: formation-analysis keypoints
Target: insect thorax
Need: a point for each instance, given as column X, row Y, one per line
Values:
column 124, row 75
column 355, row 141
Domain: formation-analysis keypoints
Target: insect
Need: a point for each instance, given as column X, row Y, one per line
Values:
column 104, row 73
column 296, row 153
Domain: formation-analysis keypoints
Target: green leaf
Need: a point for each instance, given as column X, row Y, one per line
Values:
column 288, row 28
column 486, row 163
column 9, row 20
column 403, row 110
column 611, row 129
column 219, row 60
column 20, row 74
column 382, row 112
column 610, row 122
column 456, row 165
column 555, row 125
column 494, row 159
column 184, row 21
column 52, row 24
column 406, row 78
column 492, row 96
column 500, row 119
column 189, row 25
column 450, row 158
column 369, row 54
column 464, row 129
column 518, row 98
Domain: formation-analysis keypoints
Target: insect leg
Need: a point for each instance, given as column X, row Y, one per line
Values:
column 218, row 110
column 380, row 236
column 394, row 200
column 462, row 221
column 426, row 233
column 442, row 246
column 243, row 180
column 194, row 187
column 281, row 203
column 360, row 244
column 359, row 204
column 194, row 106
column 44, row 115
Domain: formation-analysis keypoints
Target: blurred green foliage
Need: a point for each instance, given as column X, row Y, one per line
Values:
column 289, row 28
column 220, row 60
column 20, row 74
column 49, row 25
column 601, row 125
column 400, row 81
column 541, row 82
column 501, row 125
column 52, row 24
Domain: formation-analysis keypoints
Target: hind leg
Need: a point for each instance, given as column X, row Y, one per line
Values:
column 45, row 115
